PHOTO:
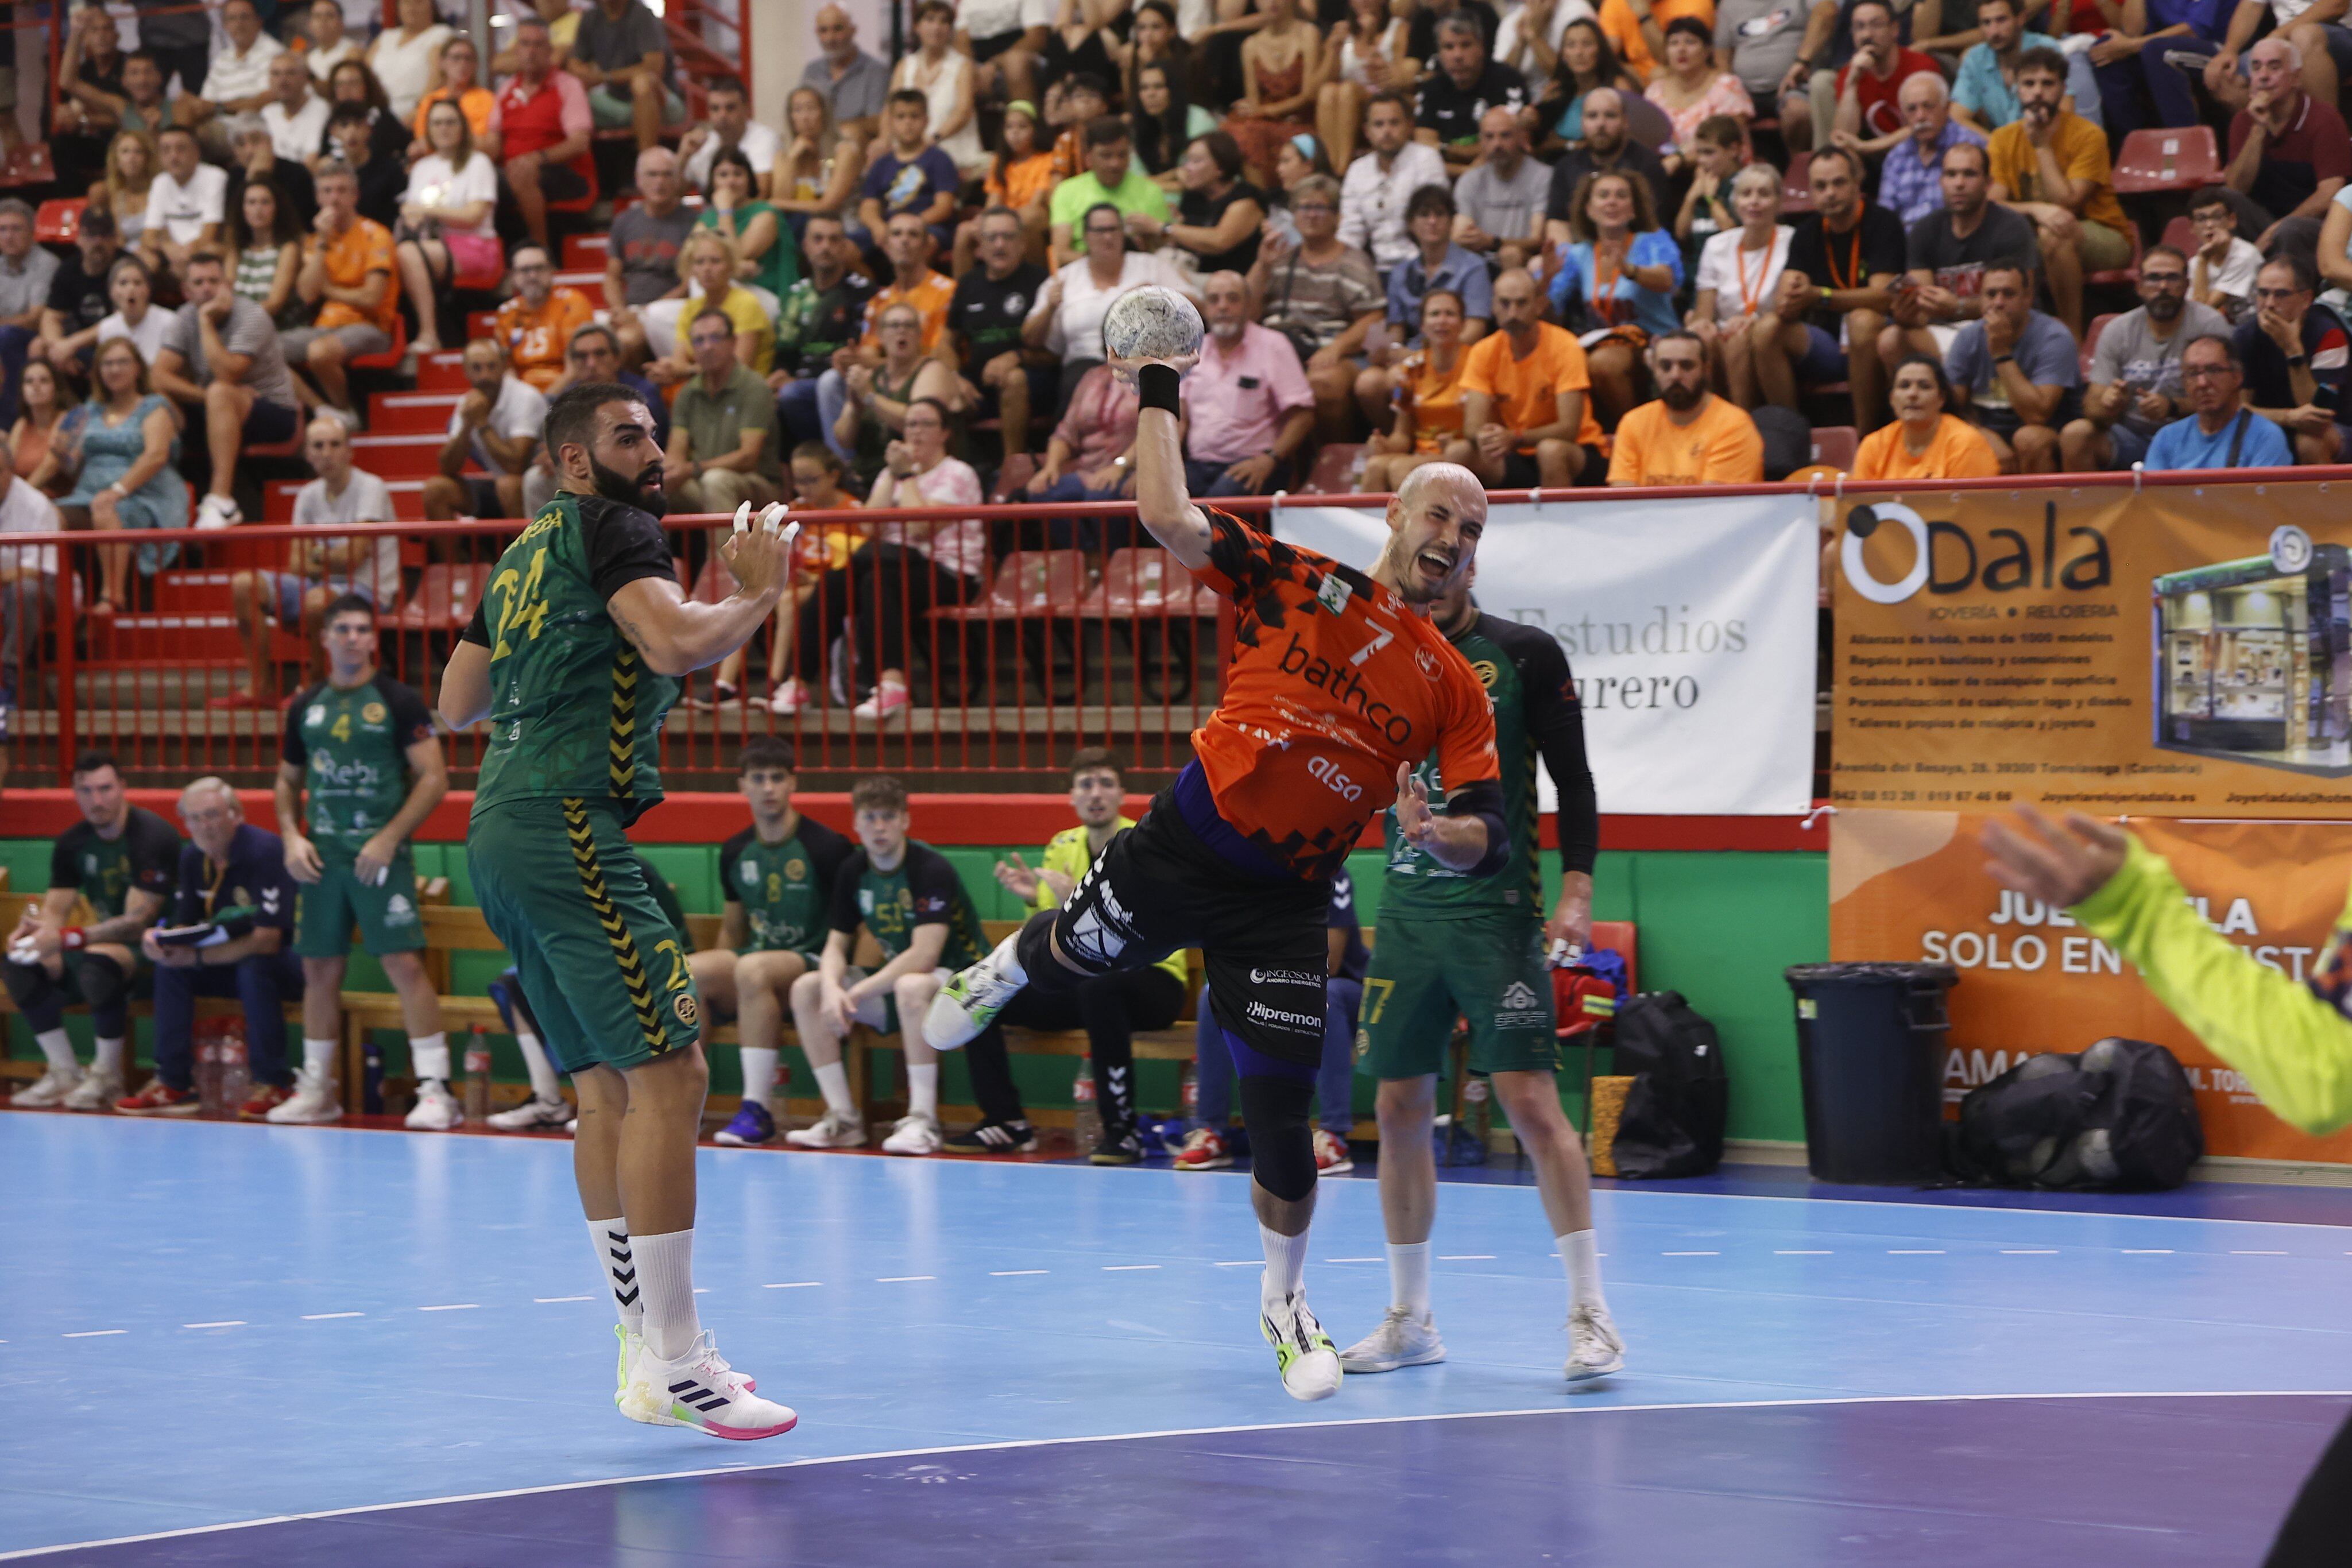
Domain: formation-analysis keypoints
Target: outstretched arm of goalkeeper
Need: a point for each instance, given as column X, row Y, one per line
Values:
column 2290, row 1039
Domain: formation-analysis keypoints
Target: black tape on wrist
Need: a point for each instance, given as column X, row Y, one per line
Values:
column 1156, row 387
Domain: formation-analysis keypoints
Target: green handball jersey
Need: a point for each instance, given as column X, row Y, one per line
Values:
column 786, row 888
column 351, row 744
column 923, row 890
column 1535, row 715
column 574, row 711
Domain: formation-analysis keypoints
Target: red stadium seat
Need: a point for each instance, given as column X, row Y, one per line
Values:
column 1834, row 444
column 445, row 597
column 1796, row 198
column 390, row 358
column 2180, row 234
column 1029, row 583
column 1335, row 470
column 2171, row 159
column 1142, row 584
column 57, row 221
column 27, row 164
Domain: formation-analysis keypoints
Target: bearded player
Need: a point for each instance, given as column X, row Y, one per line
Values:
column 1339, row 687
column 574, row 656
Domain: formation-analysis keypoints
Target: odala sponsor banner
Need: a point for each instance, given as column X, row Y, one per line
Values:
column 2176, row 653
column 1688, row 627
column 1911, row 886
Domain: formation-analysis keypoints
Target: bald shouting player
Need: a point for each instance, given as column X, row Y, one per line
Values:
column 1338, row 688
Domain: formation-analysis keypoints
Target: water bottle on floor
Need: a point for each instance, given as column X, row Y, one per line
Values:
column 371, row 1076
column 236, row 1078
column 478, row 1074
column 208, row 1074
column 1087, row 1126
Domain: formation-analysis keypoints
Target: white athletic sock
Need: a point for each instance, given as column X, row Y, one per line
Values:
column 543, row 1081
column 665, row 1266
column 428, row 1056
column 759, row 1074
column 1579, row 1255
column 617, row 1258
column 1409, row 1277
column 832, row 1083
column 109, row 1055
column 923, row 1090
column 1285, row 1265
column 57, row 1046
column 318, row 1059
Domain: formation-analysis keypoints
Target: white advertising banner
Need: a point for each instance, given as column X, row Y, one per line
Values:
column 1689, row 627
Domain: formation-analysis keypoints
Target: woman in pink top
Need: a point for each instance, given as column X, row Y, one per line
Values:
column 1691, row 89
column 1091, row 457
column 911, row 567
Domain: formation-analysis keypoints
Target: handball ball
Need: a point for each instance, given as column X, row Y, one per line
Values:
column 1151, row 324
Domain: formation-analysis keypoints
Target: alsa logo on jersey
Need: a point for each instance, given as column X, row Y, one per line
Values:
column 318, row 713
column 1347, row 688
column 1334, row 594
column 748, row 872
column 1333, row 779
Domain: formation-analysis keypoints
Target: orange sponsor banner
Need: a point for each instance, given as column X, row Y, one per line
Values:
column 2183, row 651
column 1911, row 885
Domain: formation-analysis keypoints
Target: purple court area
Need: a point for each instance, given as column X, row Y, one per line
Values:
column 2101, row 1483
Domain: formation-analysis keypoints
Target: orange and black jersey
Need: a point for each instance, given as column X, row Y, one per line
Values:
column 1334, row 682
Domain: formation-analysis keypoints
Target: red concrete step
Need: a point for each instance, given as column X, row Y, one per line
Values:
column 182, row 593
column 400, row 455
column 175, row 637
column 444, row 371
column 581, row 252
column 278, row 499
column 397, row 413
column 591, row 282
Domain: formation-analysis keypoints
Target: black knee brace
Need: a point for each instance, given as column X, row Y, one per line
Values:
column 1281, row 1130
column 35, row 994
column 106, row 989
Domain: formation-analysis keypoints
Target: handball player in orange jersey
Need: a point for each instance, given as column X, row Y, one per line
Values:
column 1340, row 687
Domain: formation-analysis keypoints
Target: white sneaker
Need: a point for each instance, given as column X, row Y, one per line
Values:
column 1402, row 1340
column 790, row 698
column 97, row 1092
column 701, row 1391
column 533, row 1116
column 916, row 1134
column 632, row 1350
column 49, row 1090
column 832, row 1130
column 970, row 1001
column 219, row 512
column 888, row 698
column 572, row 1128
column 315, row 1102
column 436, row 1110
column 1309, row 1365
column 1593, row 1348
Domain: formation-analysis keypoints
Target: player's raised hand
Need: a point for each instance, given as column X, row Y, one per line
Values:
column 761, row 558
column 1015, row 877
column 2059, row 867
column 1415, row 822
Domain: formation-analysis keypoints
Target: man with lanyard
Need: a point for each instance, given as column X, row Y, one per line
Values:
column 361, row 747
column 121, row 858
column 232, row 926
column 577, row 673
column 1109, row 1008
column 1475, row 948
column 1844, row 260
column 1339, row 687
column 777, row 876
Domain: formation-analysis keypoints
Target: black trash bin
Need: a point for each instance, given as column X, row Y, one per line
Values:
column 1870, row 1052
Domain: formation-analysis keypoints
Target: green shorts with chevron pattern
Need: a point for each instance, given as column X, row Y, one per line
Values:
column 603, row 967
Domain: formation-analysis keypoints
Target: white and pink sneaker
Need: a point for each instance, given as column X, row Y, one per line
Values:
column 701, row 1391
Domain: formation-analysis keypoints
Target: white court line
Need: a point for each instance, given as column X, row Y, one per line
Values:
column 1014, row 1273
column 1579, row 1412
column 1240, row 1263
column 224, row 1324
column 794, row 1285
column 2159, row 1252
column 2029, row 1252
column 1800, row 1252
column 95, row 1333
column 1126, row 1267
column 1915, row 1252
column 1690, row 1254
column 903, row 1279
column 320, row 1317
column 544, row 1301
column 454, row 1307
column 2256, row 1252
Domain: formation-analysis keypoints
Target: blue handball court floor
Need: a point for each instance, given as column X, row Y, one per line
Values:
column 226, row 1344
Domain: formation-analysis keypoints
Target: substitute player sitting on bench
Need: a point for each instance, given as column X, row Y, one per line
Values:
column 910, row 901
column 122, row 859
column 778, row 877
column 359, row 746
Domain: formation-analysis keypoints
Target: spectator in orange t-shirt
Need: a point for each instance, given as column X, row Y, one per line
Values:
column 1642, row 44
column 907, row 241
column 1925, row 441
column 1689, row 435
column 347, row 272
column 537, row 324
column 1526, row 415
